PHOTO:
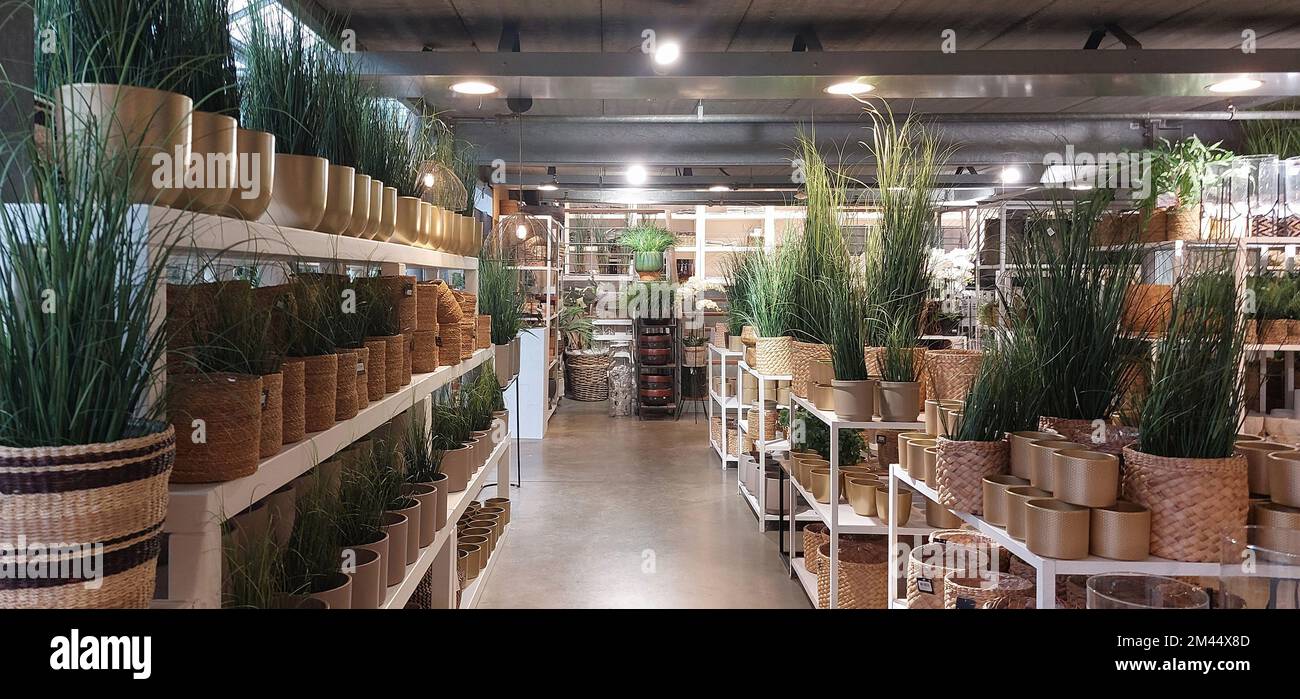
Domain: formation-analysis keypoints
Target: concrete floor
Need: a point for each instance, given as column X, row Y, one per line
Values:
column 619, row 513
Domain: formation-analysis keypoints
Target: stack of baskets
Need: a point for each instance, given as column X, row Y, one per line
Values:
column 484, row 335
column 469, row 323
column 733, row 434
column 588, row 375
column 768, row 416
column 424, row 343
column 449, row 322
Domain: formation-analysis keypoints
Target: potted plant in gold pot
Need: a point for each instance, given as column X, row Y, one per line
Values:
column 846, row 330
column 900, row 391
column 768, row 311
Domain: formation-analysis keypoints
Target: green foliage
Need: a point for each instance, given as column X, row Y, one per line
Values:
column 364, row 491
column 500, row 294
column 908, row 159
column 847, row 327
column 343, row 125
column 313, row 554
column 310, row 322
column 1178, row 168
column 819, row 251
column 649, row 300
column 116, row 43
column 283, row 88
column 205, row 55
column 737, row 273
column 898, row 361
column 646, row 237
column 237, row 337
column 1280, row 137
column 423, row 460
column 1006, row 392
column 480, row 399
column 1194, row 407
column 576, row 327
column 452, row 423
column 817, row 436
column 253, row 573
column 378, row 309
column 771, row 277
column 694, row 341
column 1075, row 308
column 1276, row 297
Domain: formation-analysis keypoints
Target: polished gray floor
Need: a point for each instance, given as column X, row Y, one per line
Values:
column 619, row 513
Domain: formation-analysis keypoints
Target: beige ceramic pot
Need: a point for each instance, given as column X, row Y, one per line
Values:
column 902, row 506
column 254, row 174
column 388, row 216
column 427, row 211
column 1056, row 529
column 1042, row 472
column 1257, row 460
column 360, row 207
column 1121, row 531
column 210, row 176
column 940, row 517
column 427, row 496
column 298, row 191
column 410, row 509
column 456, row 464
column 368, row 579
column 903, row 440
column 1284, row 477
column 822, row 396
column 136, row 124
column 1017, row 496
column 900, row 401
column 395, row 526
column 932, row 466
column 861, row 494
column 374, row 219
column 854, row 400
column 1022, row 458
column 820, row 478
column 407, row 231
column 995, row 496
column 338, row 199
column 336, row 591
column 378, row 546
column 916, row 456
column 474, row 558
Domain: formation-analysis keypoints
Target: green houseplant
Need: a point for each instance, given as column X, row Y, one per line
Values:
column 647, row 242
column 1190, row 421
column 453, row 437
column 311, row 340
column 767, row 310
column 737, row 272
column 313, row 559
column 847, row 330
column 900, row 388
column 1176, row 172
column 500, row 296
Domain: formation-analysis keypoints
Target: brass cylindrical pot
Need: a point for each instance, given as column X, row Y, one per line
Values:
column 136, row 124
column 996, row 506
column 1085, row 478
column 388, row 216
column 1017, row 497
column 407, row 231
column 1257, row 461
column 940, row 517
column 1056, row 529
column 1284, row 477
column 1022, row 458
column 902, row 506
column 254, row 174
column 1042, row 469
column 209, row 181
column 1121, row 531
column 338, row 199
column 360, row 207
column 861, row 494
column 427, row 211
column 903, row 440
column 503, row 504
column 375, row 218
column 804, row 467
column 820, row 485
column 916, row 456
column 298, row 192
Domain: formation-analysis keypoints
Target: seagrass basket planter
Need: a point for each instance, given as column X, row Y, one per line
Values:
column 448, row 307
column 928, row 565
column 424, row 351
column 468, row 330
column 988, row 591
column 218, row 418
column 950, row 373
column 271, row 434
column 863, row 576
column 426, row 306
column 772, row 355
column 588, row 374
column 483, row 337
column 377, row 368
column 345, row 386
column 293, row 400
column 1192, row 501
column 801, row 354
column 408, row 370
column 401, row 291
column 320, row 389
column 448, row 343
column 1110, row 440
column 114, row 494
column 961, row 468
column 362, row 378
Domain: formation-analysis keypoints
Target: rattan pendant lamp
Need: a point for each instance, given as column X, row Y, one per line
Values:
column 515, row 233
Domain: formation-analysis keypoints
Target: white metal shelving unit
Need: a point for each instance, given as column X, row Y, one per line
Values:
column 196, row 512
column 720, row 403
column 1048, row 568
column 761, row 440
column 837, row 520
column 538, row 355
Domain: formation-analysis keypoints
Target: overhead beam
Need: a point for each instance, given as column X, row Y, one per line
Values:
column 796, row 75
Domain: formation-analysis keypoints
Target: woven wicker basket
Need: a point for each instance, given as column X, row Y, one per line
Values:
column 294, row 425
column 1273, row 332
column 114, row 494
column 814, row 535
column 973, row 539
column 362, row 377
column 424, row 351
column 468, row 330
column 769, row 422
column 408, row 370
column 1192, row 501
column 468, row 303
column 588, row 375
column 230, row 408
column 929, row 565
column 961, row 469
column 271, row 436
column 345, row 387
column 801, row 354
column 733, row 434
column 772, row 355
column 950, row 373
column 426, row 302
column 448, row 307
column 422, row 598
column 401, row 290
column 990, row 591
column 863, row 576
column 448, row 344
column 1183, row 223
column 483, row 337
column 320, row 387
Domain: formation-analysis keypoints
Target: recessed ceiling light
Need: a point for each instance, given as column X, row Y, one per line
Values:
column 850, row 87
column 548, row 187
column 474, row 87
column 667, row 52
column 719, row 188
column 1011, row 175
column 1240, row 83
column 636, row 174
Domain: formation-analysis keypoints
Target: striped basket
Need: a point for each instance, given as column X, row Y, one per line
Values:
column 112, row 494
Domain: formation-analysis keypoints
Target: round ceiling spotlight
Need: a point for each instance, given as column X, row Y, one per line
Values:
column 474, row 87
column 850, row 87
column 1011, row 175
column 636, row 174
column 549, row 186
column 667, row 53
column 1240, row 83
column 719, row 188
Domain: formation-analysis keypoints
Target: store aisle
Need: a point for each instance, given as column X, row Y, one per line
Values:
column 618, row 513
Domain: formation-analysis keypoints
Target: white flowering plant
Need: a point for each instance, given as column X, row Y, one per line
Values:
column 951, row 270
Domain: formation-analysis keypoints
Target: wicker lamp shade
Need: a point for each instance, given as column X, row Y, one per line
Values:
column 443, row 187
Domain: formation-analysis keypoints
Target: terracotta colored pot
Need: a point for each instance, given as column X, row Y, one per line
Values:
column 457, row 466
column 854, row 400
column 368, row 577
column 427, row 495
column 900, row 401
column 336, row 592
column 379, row 546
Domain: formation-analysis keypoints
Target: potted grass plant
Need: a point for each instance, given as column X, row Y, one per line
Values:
column 847, row 330
column 219, row 401
column 1080, row 312
column 737, row 271
column 1003, row 398
column 817, row 252
column 113, row 72
column 336, row 141
column 347, row 323
column 313, row 559
column 79, row 289
column 499, row 296
column 253, row 573
column 281, row 93
column 363, row 496
column 409, row 137
column 311, row 341
column 900, row 387
column 768, row 311
column 425, row 480
column 1184, row 465
column 452, row 438
column 383, row 336
column 1172, row 209
column 382, row 154
column 648, row 242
